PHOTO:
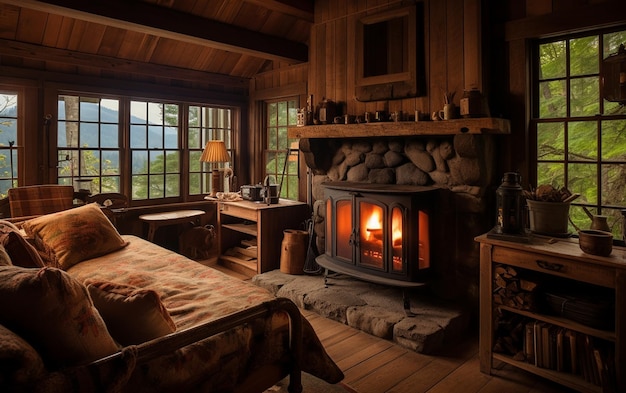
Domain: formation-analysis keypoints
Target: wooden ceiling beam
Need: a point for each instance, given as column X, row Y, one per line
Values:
column 31, row 51
column 604, row 13
column 302, row 9
column 169, row 23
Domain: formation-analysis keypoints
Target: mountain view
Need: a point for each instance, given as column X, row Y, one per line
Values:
column 88, row 137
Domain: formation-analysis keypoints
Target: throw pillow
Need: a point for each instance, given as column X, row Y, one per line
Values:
column 21, row 252
column 75, row 235
column 132, row 315
column 54, row 313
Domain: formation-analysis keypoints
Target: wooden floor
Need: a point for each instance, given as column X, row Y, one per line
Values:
column 374, row 365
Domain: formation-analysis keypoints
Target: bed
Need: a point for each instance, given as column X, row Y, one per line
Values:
column 177, row 325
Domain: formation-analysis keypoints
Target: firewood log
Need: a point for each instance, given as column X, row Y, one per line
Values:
column 514, row 288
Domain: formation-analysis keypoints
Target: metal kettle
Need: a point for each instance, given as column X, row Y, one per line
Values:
column 598, row 222
column 269, row 192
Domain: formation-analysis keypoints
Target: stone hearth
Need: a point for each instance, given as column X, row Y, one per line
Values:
column 374, row 309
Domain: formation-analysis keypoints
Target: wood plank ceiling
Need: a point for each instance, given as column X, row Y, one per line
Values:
column 228, row 38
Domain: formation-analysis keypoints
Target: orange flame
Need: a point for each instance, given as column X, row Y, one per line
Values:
column 396, row 237
column 374, row 224
column 396, row 228
column 374, row 221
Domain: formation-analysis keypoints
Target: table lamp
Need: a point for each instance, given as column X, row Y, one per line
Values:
column 214, row 153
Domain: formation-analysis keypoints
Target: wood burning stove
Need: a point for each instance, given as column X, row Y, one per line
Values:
column 378, row 232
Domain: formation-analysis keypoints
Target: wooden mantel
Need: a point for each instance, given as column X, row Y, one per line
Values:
column 483, row 125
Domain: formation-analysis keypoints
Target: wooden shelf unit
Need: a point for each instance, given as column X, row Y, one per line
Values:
column 259, row 223
column 561, row 258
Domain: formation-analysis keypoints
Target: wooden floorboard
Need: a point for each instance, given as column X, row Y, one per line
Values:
column 374, row 365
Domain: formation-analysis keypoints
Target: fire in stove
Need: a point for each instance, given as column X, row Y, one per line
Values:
column 378, row 232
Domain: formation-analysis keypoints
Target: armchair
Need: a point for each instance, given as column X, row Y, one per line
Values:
column 40, row 199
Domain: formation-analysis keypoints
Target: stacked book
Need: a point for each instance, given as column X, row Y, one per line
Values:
column 556, row 348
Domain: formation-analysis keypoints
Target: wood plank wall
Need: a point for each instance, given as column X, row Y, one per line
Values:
column 465, row 46
column 451, row 62
column 451, row 59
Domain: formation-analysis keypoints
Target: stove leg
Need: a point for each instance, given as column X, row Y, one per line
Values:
column 326, row 278
column 407, row 304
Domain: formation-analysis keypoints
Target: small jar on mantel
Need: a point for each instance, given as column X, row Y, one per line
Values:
column 472, row 104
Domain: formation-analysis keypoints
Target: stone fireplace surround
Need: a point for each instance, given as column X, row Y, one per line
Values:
column 459, row 162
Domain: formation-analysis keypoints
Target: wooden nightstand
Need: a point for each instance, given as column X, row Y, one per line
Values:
column 251, row 233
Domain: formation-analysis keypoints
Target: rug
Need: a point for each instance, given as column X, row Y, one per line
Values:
column 311, row 384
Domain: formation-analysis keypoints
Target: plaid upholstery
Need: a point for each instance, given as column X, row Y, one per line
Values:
column 42, row 199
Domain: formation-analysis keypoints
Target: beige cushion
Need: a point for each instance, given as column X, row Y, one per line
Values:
column 132, row 315
column 74, row 235
column 54, row 313
column 21, row 252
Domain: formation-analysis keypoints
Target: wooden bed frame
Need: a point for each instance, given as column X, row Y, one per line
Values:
column 116, row 371
column 261, row 379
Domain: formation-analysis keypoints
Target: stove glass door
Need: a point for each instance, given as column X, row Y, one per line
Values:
column 344, row 230
column 372, row 235
column 397, row 225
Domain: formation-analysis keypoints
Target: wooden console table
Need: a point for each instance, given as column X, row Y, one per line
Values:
column 157, row 220
column 550, row 258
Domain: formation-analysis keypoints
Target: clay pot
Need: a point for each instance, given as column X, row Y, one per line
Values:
column 595, row 242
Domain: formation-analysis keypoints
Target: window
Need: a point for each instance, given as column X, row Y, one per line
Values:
column 88, row 141
column 205, row 124
column 281, row 153
column 8, row 137
column 155, row 155
column 164, row 140
column 580, row 138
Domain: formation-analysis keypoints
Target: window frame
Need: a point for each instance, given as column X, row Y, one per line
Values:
column 66, row 161
column 153, row 151
column 13, row 147
column 210, row 132
column 291, row 150
column 183, row 149
column 578, row 215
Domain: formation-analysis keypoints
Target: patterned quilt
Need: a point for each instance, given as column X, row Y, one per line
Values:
column 194, row 294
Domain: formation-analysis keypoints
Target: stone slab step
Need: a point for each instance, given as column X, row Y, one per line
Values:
column 374, row 309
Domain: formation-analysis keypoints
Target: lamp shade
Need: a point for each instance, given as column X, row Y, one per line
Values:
column 215, row 151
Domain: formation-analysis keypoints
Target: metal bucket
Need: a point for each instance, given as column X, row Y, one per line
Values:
column 548, row 218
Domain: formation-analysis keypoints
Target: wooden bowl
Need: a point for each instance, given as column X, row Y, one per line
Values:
column 595, row 242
